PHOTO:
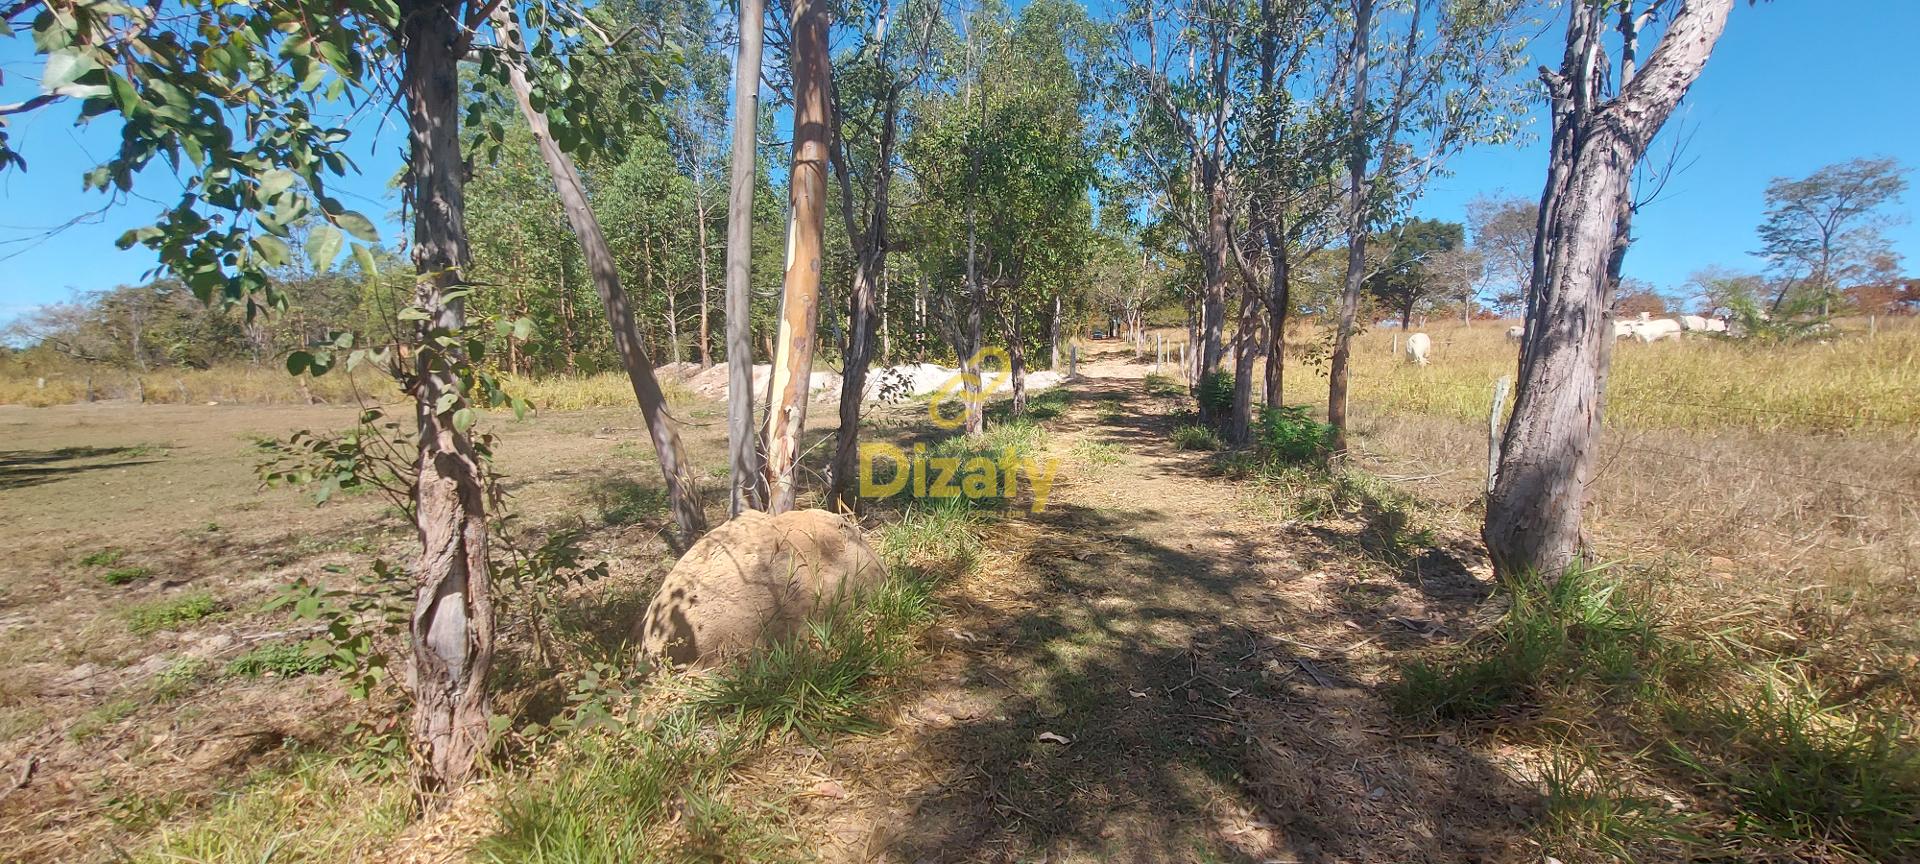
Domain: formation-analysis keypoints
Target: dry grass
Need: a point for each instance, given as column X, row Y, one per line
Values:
column 249, row 385
column 1851, row 383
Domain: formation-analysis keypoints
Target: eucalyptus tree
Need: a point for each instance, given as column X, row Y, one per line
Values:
column 1011, row 135
column 1446, row 75
column 1290, row 199
column 232, row 98
column 865, row 101
column 524, row 251
column 745, row 490
column 812, row 76
column 1606, row 111
column 676, row 465
column 1177, row 60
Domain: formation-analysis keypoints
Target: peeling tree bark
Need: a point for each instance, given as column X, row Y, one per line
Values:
column 451, row 628
column 1548, row 453
column 800, row 303
column 676, row 466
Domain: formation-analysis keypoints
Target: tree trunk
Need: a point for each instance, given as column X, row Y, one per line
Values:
column 1213, row 311
column 676, row 466
column 451, row 628
column 886, row 333
column 1548, row 453
column 800, row 301
column 1357, row 158
column 1245, row 342
column 871, row 248
column 1279, row 304
column 673, row 306
column 748, row 491
column 700, row 230
column 1016, row 360
column 1053, row 336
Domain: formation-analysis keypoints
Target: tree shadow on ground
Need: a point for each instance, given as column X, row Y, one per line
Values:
column 1156, row 701
column 23, row 468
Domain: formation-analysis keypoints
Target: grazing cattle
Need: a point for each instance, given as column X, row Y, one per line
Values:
column 1418, row 347
column 1623, row 329
column 1656, row 330
column 1515, row 333
column 1702, row 324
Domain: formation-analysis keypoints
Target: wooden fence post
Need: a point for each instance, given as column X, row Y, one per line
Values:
column 1493, row 430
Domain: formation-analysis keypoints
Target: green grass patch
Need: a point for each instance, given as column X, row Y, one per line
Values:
column 936, row 542
column 107, row 557
column 279, row 659
column 1048, row 404
column 1577, row 633
column 1786, row 770
column 321, row 809
column 1195, row 437
column 1096, row 452
column 1591, row 804
column 1800, row 771
column 1288, row 435
column 1163, row 386
column 651, row 793
column 146, row 618
column 125, row 575
column 1024, row 438
column 624, row 502
column 89, row 725
column 179, row 678
column 826, row 681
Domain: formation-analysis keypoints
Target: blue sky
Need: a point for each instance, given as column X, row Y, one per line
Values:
column 1793, row 86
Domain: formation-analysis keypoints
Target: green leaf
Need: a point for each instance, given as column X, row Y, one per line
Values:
column 523, row 329
column 137, row 236
column 272, row 249
column 275, row 182
column 64, row 68
column 520, row 408
column 364, row 257
column 323, row 245
column 358, row 225
column 445, row 403
column 463, row 420
column 298, row 362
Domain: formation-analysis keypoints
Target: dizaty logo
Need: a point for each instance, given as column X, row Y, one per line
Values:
column 977, row 477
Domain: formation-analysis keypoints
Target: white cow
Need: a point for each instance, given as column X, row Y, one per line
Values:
column 1515, row 333
column 1418, row 347
column 1656, row 330
column 1624, row 329
column 1702, row 324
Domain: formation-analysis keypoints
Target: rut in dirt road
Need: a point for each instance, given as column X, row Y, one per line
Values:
column 1161, row 667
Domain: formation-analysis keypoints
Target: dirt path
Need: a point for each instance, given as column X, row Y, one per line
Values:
column 1163, row 667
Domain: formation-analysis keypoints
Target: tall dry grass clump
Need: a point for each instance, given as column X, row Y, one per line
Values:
column 1851, row 382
